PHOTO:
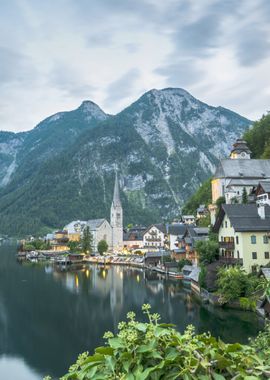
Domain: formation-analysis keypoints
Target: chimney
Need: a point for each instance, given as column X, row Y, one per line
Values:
column 261, row 211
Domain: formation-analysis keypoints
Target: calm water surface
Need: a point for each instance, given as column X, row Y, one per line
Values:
column 48, row 317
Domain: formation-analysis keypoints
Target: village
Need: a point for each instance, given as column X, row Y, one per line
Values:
column 238, row 236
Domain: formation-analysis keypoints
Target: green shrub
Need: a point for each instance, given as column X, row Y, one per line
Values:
column 247, row 303
column 153, row 351
column 202, row 277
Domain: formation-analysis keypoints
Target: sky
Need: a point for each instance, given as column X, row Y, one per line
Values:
column 56, row 53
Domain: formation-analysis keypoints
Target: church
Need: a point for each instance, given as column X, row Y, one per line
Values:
column 101, row 229
column 238, row 172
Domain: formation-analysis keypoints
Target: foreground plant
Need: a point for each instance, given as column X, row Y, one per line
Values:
column 155, row 351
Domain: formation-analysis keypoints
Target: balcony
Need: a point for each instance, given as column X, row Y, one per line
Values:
column 229, row 245
column 153, row 239
column 230, row 260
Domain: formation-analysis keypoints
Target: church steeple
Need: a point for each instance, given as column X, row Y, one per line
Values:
column 117, row 217
column 240, row 150
column 116, row 194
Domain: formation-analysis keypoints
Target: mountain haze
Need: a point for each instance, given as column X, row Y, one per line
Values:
column 164, row 146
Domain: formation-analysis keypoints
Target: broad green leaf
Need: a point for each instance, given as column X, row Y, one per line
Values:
column 104, row 350
column 116, row 342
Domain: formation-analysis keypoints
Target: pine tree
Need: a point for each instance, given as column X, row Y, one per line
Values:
column 102, row 247
column 244, row 196
column 87, row 241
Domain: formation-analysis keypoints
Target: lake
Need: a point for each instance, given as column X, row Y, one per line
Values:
column 48, row 317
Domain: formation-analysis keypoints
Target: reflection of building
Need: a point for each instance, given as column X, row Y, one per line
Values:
column 116, row 292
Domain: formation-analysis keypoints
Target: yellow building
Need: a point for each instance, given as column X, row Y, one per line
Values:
column 76, row 236
column 244, row 235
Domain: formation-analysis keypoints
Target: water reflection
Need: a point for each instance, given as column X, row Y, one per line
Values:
column 48, row 316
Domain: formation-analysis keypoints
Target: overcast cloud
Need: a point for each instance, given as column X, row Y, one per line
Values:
column 55, row 54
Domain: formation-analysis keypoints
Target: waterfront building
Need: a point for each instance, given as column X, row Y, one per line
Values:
column 75, row 229
column 133, row 238
column 100, row 230
column 243, row 234
column 155, row 236
column 59, row 241
column 176, row 232
column 187, row 245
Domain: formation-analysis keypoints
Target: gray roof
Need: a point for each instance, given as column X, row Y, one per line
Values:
column 201, row 230
column 243, row 182
column 93, row 224
column 194, row 275
column 237, row 168
column 265, row 185
column 266, row 273
column 177, row 229
column 244, row 217
column 156, row 254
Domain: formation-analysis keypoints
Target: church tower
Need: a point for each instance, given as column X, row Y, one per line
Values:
column 240, row 150
column 117, row 218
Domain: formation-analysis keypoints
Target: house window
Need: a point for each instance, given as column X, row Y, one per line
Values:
column 221, row 238
column 254, row 255
column 237, row 239
column 226, row 224
column 253, row 239
column 265, row 239
column 266, row 255
column 238, row 255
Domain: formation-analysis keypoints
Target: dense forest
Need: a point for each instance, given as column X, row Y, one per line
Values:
column 258, row 137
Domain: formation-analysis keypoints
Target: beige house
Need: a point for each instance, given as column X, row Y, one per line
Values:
column 243, row 234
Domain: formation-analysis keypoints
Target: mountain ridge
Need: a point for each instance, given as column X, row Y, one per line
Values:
column 164, row 145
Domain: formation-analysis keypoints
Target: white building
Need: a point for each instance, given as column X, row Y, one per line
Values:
column 188, row 219
column 117, row 218
column 155, row 236
column 100, row 230
column 237, row 173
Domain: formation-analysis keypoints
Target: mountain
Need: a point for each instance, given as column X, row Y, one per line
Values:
column 164, row 146
column 23, row 153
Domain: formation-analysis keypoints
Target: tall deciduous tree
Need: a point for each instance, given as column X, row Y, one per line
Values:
column 207, row 251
